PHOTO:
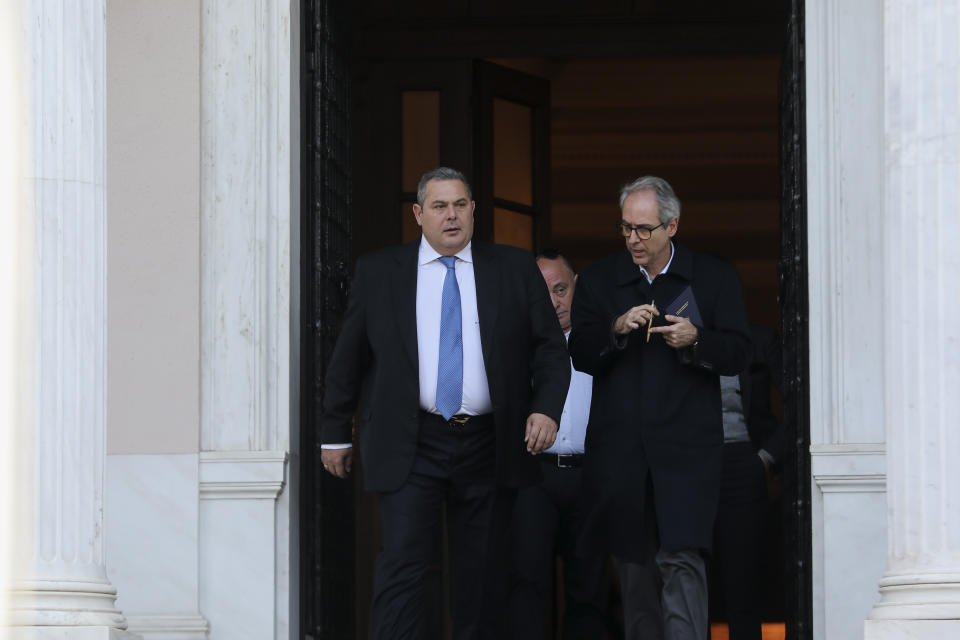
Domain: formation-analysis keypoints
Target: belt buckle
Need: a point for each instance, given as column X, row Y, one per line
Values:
column 458, row 421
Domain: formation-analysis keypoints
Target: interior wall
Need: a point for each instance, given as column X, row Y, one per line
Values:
column 153, row 228
column 707, row 124
column 153, row 194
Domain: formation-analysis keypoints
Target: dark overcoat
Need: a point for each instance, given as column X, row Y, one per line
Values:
column 763, row 372
column 375, row 362
column 655, row 415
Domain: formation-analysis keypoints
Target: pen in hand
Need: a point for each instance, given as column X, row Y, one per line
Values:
column 653, row 304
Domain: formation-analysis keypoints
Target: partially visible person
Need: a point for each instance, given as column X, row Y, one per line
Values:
column 453, row 353
column 752, row 451
column 547, row 517
column 656, row 326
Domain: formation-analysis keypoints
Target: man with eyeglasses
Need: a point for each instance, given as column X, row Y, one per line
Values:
column 656, row 326
column 453, row 353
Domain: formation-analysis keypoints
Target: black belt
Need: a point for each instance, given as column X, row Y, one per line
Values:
column 459, row 421
column 562, row 460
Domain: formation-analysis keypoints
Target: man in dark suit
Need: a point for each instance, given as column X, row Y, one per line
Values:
column 454, row 354
column 654, row 445
column 547, row 517
column 753, row 447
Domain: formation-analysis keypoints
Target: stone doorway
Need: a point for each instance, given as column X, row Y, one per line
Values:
column 753, row 43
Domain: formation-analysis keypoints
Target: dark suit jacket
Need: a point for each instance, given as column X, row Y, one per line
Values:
column 764, row 371
column 656, row 411
column 375, row 362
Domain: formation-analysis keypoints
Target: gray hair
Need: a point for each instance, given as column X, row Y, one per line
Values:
column 440, row 173
column 668, row 205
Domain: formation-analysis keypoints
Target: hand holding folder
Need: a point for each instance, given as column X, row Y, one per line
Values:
column 685, row 306
column 679, row 334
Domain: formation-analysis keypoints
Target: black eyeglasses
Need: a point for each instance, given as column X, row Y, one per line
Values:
column 643, row 233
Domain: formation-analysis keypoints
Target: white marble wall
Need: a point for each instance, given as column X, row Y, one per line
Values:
column 246, row 209
column 202, row 540
column 151, row 505
column 920, row 590
column 844, row 47
column 249, row 205
column 153, row 528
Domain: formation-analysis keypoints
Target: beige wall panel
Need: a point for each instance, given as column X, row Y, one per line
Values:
column 153, row 195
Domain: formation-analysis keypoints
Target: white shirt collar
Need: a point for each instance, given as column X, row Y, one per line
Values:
column 429, row 254
column 665, row 269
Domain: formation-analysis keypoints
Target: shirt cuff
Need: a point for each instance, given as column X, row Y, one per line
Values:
column 338, row 445
column 763, row 453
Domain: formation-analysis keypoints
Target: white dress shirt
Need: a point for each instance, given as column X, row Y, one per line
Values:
column 576, row 413
column 430, row 275
column 669, row 262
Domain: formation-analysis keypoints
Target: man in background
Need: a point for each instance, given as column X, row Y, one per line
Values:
column 547, row 517
column 753, row 448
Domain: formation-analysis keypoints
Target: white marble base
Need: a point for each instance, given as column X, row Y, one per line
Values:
column 64, row 602
column 169, row 627
column 152, row 519
column 69, row 633
column 911, row 629
column 242, row 593
column 920, row 595
column 849, row 538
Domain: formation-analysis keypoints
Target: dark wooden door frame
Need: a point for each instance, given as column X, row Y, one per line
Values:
column 794, row 306
column 377, row 135
column 326, row 505
column 493, row 82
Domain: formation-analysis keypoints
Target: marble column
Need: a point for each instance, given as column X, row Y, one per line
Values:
column 249, row 130
column 60, row 587
column 920, row 591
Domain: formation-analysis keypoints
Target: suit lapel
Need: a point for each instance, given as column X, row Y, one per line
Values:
column 405, row 299
column 677, row 278
column 486, row 274
column 632, row 288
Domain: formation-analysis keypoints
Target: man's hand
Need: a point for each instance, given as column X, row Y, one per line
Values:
column 541, row 432
column 635, row 318
column 679, row 333
column 772, row 480
column 337, row 461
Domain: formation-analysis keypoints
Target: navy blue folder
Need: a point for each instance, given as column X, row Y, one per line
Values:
column 685, row 306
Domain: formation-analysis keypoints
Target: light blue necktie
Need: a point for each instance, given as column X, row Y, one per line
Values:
column 450, row 368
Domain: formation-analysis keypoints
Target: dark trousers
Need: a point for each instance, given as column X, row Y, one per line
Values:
column 454, row 467
column 665, row 596
column 547, row 520
column 737, row 539
column 640, row 591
